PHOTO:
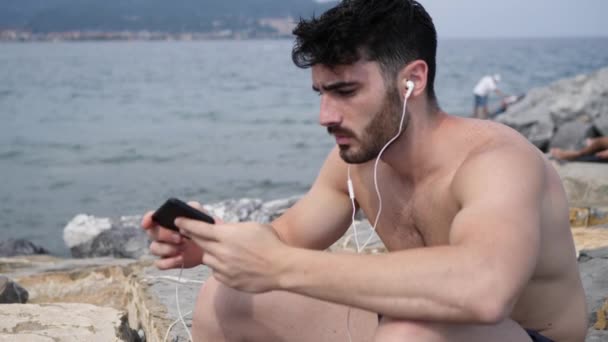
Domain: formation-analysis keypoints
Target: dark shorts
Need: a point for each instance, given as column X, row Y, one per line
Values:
column 535, row 336
column 481, row 101
column 592, row 158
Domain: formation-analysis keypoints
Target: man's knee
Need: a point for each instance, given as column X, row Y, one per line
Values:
column 391, row 330
column 397, row 330
column 219, row 310
column 219, row 300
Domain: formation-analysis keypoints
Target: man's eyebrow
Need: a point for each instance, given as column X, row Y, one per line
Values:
column 334, row 86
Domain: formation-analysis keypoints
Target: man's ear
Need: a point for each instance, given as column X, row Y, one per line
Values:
column 417, row 72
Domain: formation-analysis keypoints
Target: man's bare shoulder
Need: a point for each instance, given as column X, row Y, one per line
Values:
column 486, row 133
column 497, row 153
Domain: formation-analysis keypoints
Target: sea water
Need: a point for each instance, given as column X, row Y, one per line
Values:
column 114, row 128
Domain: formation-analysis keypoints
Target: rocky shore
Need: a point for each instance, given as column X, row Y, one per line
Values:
column 109, row 290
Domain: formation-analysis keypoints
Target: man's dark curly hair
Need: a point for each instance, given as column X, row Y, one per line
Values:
column 390, row 32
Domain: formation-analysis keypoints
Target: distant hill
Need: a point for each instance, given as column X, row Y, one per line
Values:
column 153, row 15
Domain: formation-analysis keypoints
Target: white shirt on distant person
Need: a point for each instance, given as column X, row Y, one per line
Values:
column 486, row 85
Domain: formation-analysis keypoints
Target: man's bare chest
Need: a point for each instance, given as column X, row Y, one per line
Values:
column 410, row 216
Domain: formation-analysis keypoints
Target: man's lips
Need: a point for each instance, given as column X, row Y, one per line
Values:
column 342, row 139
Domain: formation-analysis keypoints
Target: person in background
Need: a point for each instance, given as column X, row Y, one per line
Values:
column 595, row 150
column 481, row 92
column 505, row 103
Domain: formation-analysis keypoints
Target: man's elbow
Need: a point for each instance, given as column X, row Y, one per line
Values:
column 492, row 310
column 493, row 303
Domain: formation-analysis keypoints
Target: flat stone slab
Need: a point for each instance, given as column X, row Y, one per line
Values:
column 590, row 238
column 162, row 284
column 586, row 184
column 62, row 322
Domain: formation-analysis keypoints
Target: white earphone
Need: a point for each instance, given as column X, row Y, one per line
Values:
column 410, row 88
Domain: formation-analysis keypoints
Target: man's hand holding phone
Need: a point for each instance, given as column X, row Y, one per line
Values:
column 173, row 249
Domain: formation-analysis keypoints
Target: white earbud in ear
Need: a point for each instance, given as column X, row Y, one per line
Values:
column 410, row 88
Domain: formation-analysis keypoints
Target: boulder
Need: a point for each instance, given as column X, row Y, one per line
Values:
column 63, row 322
column 14, row 247
column 11, row 292
column 586, row 184
column 572, row 135
column 234, row 210
column 538, row 116
column 593, row 266
column 273, row 209
column 129, row 243
column 84, row 228
column 601, row 124
column 89, row 236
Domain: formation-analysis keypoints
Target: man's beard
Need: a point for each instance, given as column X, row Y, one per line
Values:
column 383, row 127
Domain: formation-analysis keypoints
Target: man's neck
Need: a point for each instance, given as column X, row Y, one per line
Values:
column 412, row 154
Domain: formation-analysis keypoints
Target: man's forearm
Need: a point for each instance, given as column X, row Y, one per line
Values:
column 433, row 284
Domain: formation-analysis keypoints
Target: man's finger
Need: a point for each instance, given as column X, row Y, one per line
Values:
column 146, row 221
column 168, row 235
column 196, row 205
column 164, row 249
column 169, row 263
column 196, row 229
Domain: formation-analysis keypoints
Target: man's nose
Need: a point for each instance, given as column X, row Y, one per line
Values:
column 329, row 115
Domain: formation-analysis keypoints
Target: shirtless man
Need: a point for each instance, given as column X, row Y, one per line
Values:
column 596, row 149
column 474, row 217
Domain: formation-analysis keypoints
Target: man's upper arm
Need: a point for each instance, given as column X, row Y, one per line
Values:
column 323, row 215
column 499, row 222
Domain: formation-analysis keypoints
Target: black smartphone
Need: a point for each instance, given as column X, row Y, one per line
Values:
column 174, row 208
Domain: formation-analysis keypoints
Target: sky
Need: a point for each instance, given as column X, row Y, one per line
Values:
column 518, row 18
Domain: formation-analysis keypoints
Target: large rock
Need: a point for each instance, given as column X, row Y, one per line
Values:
column 538, row 116
column 11, row 292
column 572, row 135
column 14, row 247
column 601, row 124
column 586, row 184
column 131, row 243
column 273, row 209
column 63, row 322
column 116, row 284
column 234, row 210
column 89, row 236
column 84, row 228
column 593, row 266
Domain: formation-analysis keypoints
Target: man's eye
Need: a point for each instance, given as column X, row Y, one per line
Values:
column 345, row 92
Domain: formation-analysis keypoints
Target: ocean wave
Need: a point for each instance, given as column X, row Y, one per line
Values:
column 265, row 185
column 301, row 145
column 281, row 121
column 131, row 158
column 190, row 116
column 60, row 185
column 6, row 93
column 11, row 155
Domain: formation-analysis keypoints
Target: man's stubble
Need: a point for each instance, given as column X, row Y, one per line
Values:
column 382, row 128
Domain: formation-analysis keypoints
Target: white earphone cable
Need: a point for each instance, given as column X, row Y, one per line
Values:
column 179, row 310
column 379, row 196
column 351, row 193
